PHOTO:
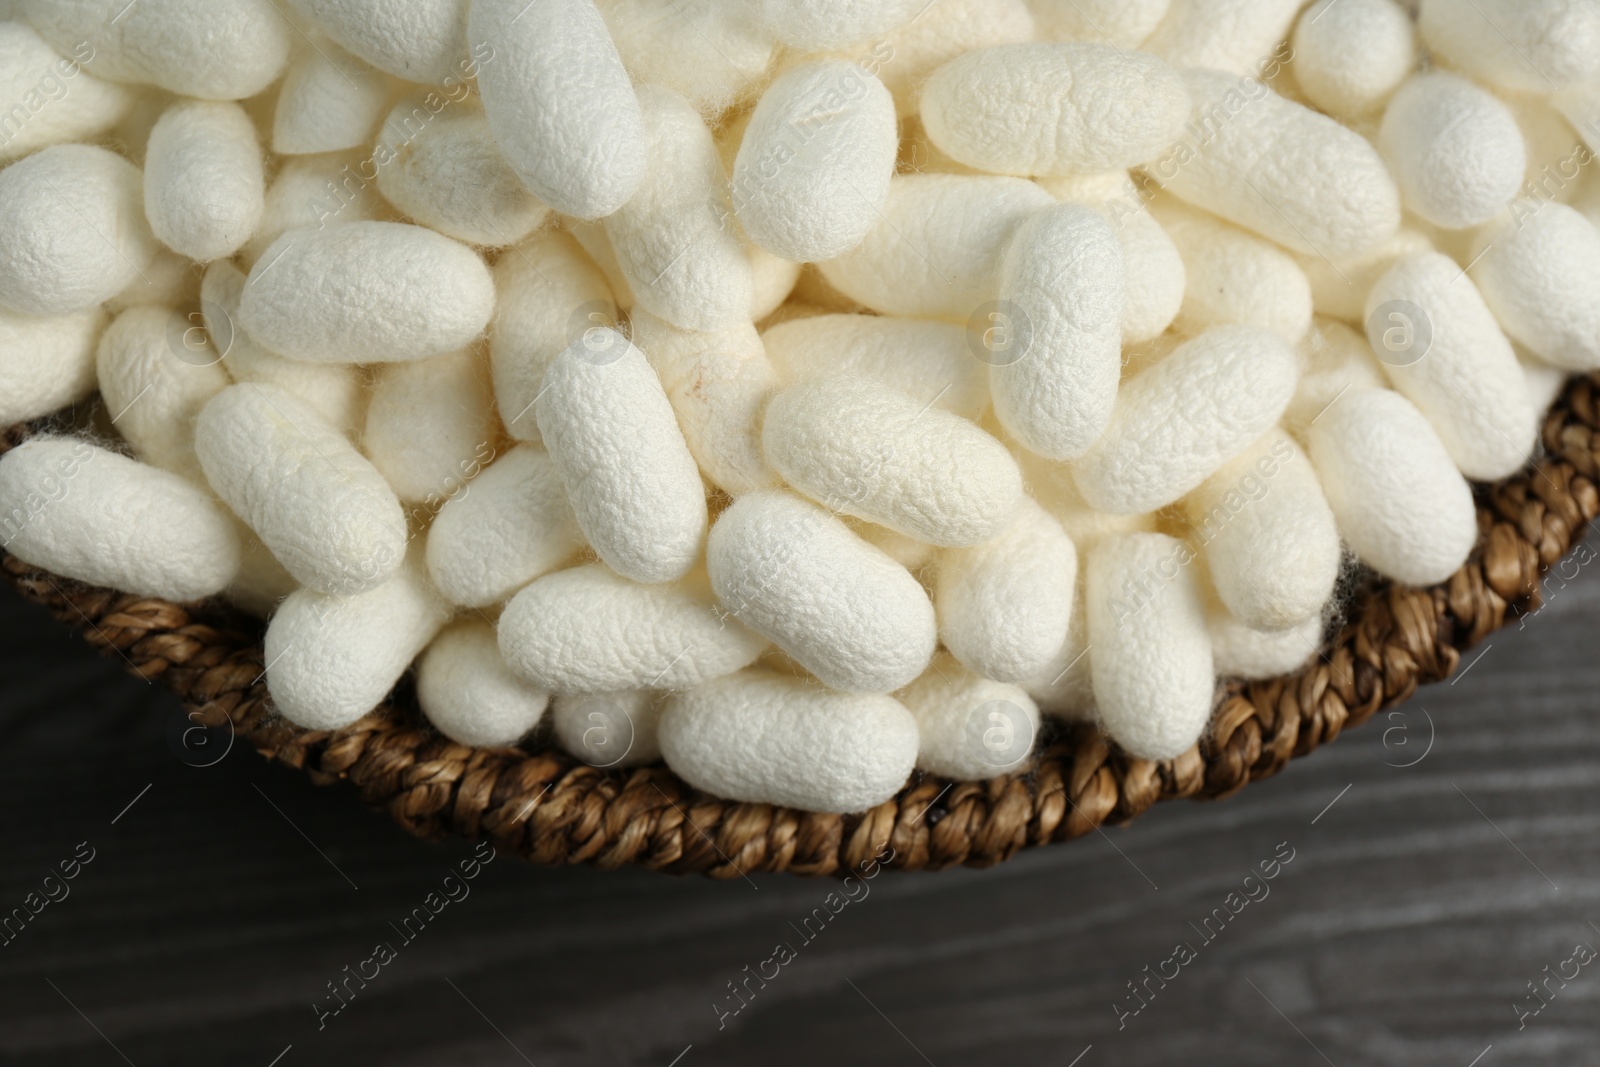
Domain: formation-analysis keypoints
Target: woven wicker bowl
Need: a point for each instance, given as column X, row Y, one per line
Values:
column 551, row 808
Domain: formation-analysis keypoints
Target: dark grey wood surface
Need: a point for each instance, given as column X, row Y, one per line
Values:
column 1431, row 883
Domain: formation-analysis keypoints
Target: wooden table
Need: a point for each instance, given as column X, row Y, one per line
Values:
column 1443, row 858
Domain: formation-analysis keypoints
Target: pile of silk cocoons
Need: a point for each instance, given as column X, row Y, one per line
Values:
column 803, row 392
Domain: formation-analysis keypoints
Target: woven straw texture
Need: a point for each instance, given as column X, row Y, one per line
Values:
column 550, row 808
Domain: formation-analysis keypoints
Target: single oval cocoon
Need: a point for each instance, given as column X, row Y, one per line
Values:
column 418, row 40
column 53, row 101
column 1399, row 501
column 1327, row 191
column 330, row 101
column 1062, row 288
column 1539, row 272
column 1453, row 363
column 94, row 516
column 719, row 384
column 860, row 448
column 1256, row 655
column 1233, row 36
column 72, row 230
column 1239, row 278
column 673, row 241
column 46, row 362
column 194, row 48
column 332, row 659
column 470, row 695
column 843, row 609
column 1151, row 657
column 560, row 103
column 628, row 472
column 917, row 357
column 935, row 253
column 1123, row 23
column 1268, row 535
column 1180, row 420
column 813, row 169
column 366, row 292
column 969, row 728
column 588, row 630
column 829, row 25
column 510, row 527
column 448, row 174
column 1455, row 151
column 548, row 294
column 1047, row 109
column 620, row 729
column 765, row 738
column 154, row 386
column 710, row 51
column 1538, row 47
column 204, row 189
column 334, row 389
column 1005, row 606
column 1349, row 55
column 321, row 508
column 430, row 425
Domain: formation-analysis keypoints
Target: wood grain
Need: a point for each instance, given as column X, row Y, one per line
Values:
column 1404, row 931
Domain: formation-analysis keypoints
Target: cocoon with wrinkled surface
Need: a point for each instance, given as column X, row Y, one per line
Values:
column 204, row 190
column 1279, row 169
column 1537, row 46
column 72, row 230
column 861, row 448
column 969, row 727
column 1349, row 55
column 719, row 384
column 1047, row 109
column 469, row 694
column 813, row 169
column 332, row 659
column 843, row 609
column 511, row 526
column 319, row 505
column 917, row 357
column 1236, row 277
column 548, row 294
column 826, row 25
column 620, row 729
column 1054, row 380
column 448, row 174
column 418, row 40
column 1539, row 272
column 1151, row 656
column 189, row 47
column 430, row 424
column 46, row 362
column 1123, row 23
column 154, row 387
column 366, row 292
column 961, row 225
column 1454, row 150
column 51, row 98
column 1005, row 606
column 1466, row 381
column 629, row 474
column 330, row 101
column 588, row 630
column 711, row 51
column 763, row 738
column 1179, row 421
column 1235, row 36
column 560, row 103
column 1268, row 535
column 333, row 389
column 1398, row 499
column 88, row 514
column 673, row 239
